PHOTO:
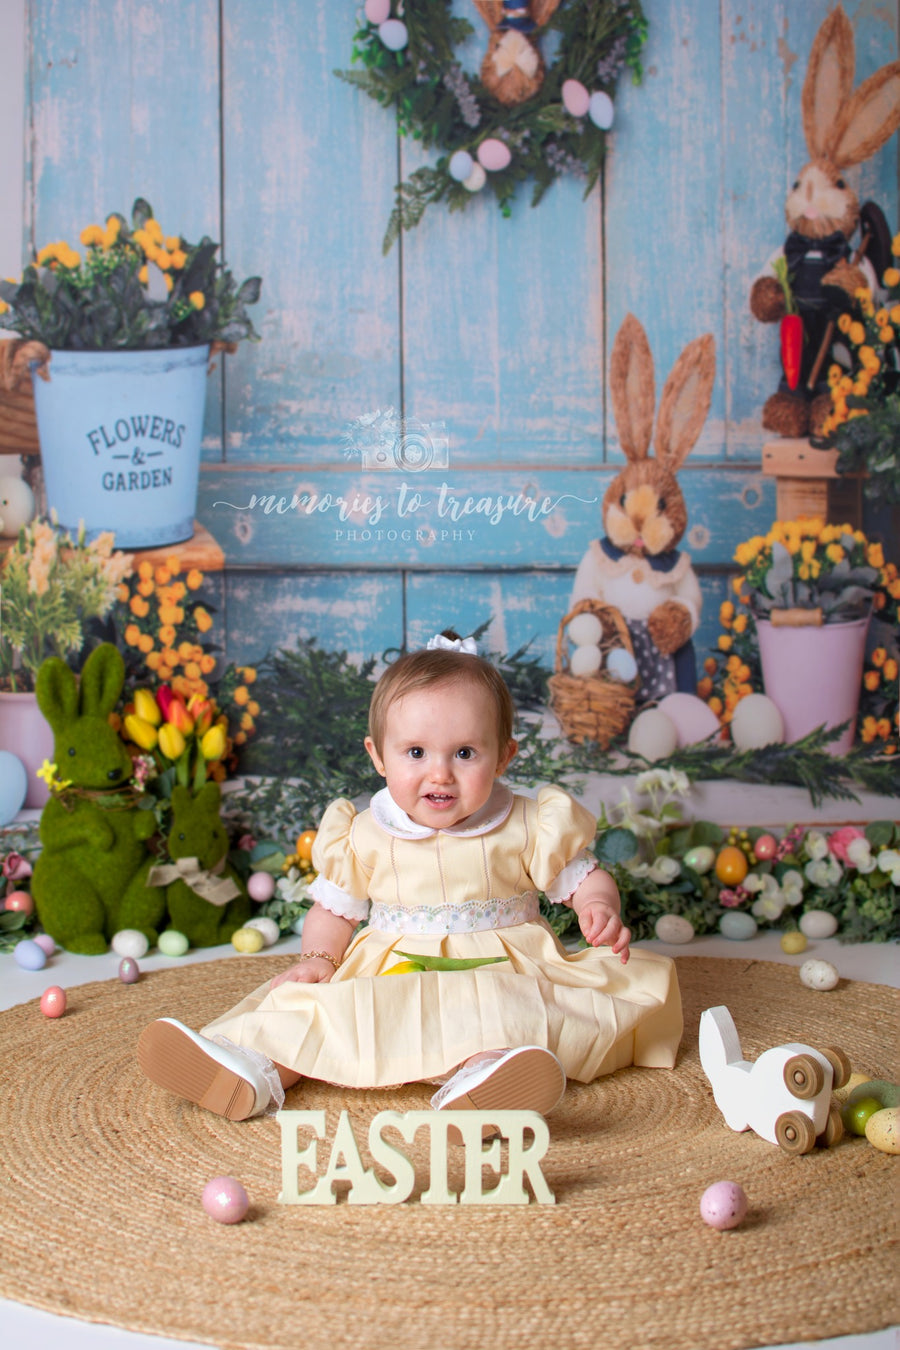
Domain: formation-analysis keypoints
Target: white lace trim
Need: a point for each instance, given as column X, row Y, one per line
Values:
column 393, row 820
column 265, row 1068
column 338, row 901
column 473, row 916
column 566, row 882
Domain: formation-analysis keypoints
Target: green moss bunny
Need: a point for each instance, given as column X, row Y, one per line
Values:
column 90, row 879
column 205, row 897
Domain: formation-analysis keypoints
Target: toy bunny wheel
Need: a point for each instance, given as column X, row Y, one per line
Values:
column 794, row 1132
column 513, row 68
column 840, row 1066
column 803, row 1076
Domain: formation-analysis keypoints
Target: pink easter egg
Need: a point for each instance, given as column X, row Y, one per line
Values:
column 53, row 1001
column 46, row 943
column 494, row 155
column 765, row 847
column 693, row 719
column 20, row 901
column 377, row 10
column 261, row 886
column 576, row 99
column 225, row 1200
column 723, row 1205
column 129, row 970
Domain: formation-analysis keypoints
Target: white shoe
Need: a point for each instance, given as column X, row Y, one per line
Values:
column 529, row 1078
column 223, row 1078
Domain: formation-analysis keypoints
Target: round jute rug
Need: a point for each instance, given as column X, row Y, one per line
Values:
column 100, row 1214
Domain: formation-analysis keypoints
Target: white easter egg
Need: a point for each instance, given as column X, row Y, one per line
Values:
column 461, row 165
column 737, row 925
column 601, row 110
column 393, row 34
column 130, row 942
column 13, row 786
column 494, row 154
column 756, row 722
column 585, row 630
column 818, row 923
column 652, row 735
column 16, row 506
column 673, row 928
column 576, row 99
column 268, row 927
column 621, row 665
column 817, row 974
column 377, row 10
column 585, row 661
column 476, row 179
column 693, row 719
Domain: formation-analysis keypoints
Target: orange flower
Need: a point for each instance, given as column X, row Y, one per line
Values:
column 890, row 669
column 145, row 588
column 167, row 635
column 145, row 643
column 704, row 687
column 241, row 695
column 163, row 576
column 879, row 656
column 132, row 635
column 145, row 570
column 871, row 680
column 139, row 607
column 194, row 579
column 203, row 620
column 207, row 663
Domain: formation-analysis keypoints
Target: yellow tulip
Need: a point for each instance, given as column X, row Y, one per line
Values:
column 146, row 707
column 213, row 743
column 143, row 733
column 171, row 741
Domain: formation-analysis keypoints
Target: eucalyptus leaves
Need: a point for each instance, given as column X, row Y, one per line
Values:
column 803, row 564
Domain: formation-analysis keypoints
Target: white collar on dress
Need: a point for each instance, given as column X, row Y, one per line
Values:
column 393, row 820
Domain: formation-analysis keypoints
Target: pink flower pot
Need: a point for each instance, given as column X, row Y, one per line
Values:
column 24, row 731
column 814, row 676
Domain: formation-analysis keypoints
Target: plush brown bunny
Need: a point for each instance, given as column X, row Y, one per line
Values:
column 637, row 566
column 513, row 68
column 842, row 127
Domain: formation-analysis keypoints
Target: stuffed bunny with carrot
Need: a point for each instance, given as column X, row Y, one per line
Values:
column 808, row 283
column 637, row 566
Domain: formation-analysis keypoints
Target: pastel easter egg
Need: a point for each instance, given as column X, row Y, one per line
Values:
column 883, row 1129
column 585, row 661
column 765, row 847
column 173, row 943
column 737, row 925
column 377, row 10
column 261, row 886
column 818, row 974
column 818, row 923
column 585, row 630
column 700, row 859
column 756, row 722
column 723, row 1205
column 130, row 942
column 29, row 955
column 13, row 786
column 601, row 110
column 225, row 1200
column 46, row 943
column 20, row 902
column 693, row 719
column 460, row 166
column 621, row 665
column 248, row 940
column 53, row 1001
column 268, row 927
column 494, row 154
column 673, row 928
column 476, row 179
column 576, row 99
column 393, row 34
column 16, row 506
column 652, row 735
column 793, row 943
column 129, row 970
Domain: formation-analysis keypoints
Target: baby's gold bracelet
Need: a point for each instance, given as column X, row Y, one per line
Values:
column 326, row 956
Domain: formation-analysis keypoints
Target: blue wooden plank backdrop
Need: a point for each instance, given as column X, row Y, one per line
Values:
column 494, row 334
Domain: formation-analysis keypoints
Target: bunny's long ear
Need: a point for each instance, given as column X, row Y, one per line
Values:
column 829, row 81
column 631, row 388
column 543, row 10
column 56, row 692
column 685, row 401
column 491, row 11
column 871, row 116
column 102, row 680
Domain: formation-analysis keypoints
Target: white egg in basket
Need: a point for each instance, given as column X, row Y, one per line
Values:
column 585, row 630
column 585, row 661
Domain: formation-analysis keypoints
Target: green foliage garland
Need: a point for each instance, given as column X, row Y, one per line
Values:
column 439, row 104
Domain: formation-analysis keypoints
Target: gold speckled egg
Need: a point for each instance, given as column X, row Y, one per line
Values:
column 883, row 1129
column 247, row 940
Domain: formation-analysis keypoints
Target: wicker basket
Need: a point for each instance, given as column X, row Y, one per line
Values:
column 592, row 707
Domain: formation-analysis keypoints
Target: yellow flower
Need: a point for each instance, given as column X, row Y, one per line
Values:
column 145, row 588
column 843, row 324
column 194, row 579
column 253, row 708
column 141, row 732
column 704, row 687
column 890, row 670
column 886, row 334
column 171, row 741
column 883, row 727
column 197, row 299
column 834, row 553
column 869, row 730
column 879, row 656
column 145, row 643
column 856, row 333
column 207, row 663
column 179, row 258
column 715, row 705
column 138, row 606
column 203, row 619
column 166, row 634
column 174, row 565
column 213, row 743
column 871, row 680
column 891, row 276
column 725, row 644
column 242, row 694
column 740, row 623
column 875, row 555
column 154, row 230
column 146, row 707
column 91, row 234
column 248, row 673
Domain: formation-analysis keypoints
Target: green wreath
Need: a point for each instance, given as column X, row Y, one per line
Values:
column 515, row 121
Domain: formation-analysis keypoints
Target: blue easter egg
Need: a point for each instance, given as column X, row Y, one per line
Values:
column 601, row 111
column 394, row 34
column 461, row 165
column 737, row 925
column 29, row 955
column 13, row 786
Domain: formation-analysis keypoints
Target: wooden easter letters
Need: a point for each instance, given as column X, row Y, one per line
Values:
column 366, row 1188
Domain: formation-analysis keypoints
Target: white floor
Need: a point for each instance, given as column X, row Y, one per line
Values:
column 22, row 1326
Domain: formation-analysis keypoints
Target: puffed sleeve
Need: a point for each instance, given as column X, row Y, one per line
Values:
column 342, row 883
column 561, row 858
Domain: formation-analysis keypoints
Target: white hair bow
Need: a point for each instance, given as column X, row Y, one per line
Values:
column 445, row 644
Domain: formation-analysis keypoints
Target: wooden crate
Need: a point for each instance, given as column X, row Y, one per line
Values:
column 201, row 551
column 808, row 484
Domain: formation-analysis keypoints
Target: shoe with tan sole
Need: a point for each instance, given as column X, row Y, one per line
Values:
column 221, row 1079
column 529, row 1078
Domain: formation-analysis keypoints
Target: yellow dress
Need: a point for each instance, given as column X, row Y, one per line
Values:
column 467, row 891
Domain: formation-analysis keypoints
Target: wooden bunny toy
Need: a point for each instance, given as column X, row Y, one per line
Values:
column 513, row 68
column 842, row 127
column 637, row 566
